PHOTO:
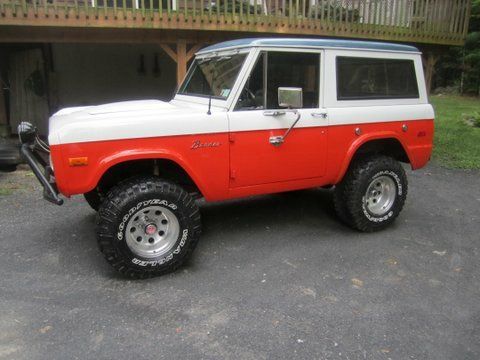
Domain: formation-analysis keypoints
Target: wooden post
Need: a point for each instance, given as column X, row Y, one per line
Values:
column 4, row 127
column 181, row 60
column 181, row 56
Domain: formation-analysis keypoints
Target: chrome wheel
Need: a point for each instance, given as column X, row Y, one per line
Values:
column 152, row 231
column 380, row 195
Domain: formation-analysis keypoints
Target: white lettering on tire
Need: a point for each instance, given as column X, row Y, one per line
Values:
column 131, row 212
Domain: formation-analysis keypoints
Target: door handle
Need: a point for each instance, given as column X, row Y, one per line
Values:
column 274, row 112
column 322, row 115
column 276, row 140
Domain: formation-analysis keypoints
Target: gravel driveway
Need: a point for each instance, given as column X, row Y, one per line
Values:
column 273, row 277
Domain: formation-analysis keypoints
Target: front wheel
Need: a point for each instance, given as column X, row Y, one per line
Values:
column 147, row 227
column 372, row 194
column 94, row 198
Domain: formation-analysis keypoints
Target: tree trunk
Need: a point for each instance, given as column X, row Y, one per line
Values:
column 429, row 61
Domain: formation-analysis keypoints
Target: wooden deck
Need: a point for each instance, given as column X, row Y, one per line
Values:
column 439, row 22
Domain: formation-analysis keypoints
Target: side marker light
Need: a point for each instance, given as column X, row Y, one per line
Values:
column 78, row 161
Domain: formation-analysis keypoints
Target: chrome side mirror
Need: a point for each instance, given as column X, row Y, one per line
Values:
column 290, row 97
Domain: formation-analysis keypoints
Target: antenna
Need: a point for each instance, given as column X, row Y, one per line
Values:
column 214, row 75
column 209, row 105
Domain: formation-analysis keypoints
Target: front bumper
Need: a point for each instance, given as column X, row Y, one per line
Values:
column 43, row 172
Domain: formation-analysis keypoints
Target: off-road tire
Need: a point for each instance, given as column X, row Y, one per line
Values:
column 340, row 204
column 351, row 192
column 94, row 198
column 123, row 202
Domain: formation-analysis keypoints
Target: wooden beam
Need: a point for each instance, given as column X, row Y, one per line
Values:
column 38, row 34
column 181, row 60
column 181, row 56
column 169, row 51
column 193, row 50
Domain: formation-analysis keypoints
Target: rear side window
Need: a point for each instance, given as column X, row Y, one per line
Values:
column 371, row 79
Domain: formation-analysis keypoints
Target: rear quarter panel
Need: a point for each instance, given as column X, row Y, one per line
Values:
column 352, row 123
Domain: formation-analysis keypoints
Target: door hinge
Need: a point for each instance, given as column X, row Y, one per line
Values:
column 231, row 138
column 233, row 173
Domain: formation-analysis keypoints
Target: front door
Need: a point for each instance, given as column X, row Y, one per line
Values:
column 257, row 117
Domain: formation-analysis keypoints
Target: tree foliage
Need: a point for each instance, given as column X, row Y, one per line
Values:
column 460, row 66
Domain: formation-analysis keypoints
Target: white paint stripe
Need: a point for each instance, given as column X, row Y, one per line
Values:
column 146, row 124
column 374, row 114
column 255, row 120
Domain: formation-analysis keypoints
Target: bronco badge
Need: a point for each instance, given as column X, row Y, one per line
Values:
column 197, row 144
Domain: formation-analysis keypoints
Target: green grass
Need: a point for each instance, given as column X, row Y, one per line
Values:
column 5, row 191
column 457, row 144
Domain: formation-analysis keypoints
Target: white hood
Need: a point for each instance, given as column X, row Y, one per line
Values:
column 129, row 119
column 117, row 107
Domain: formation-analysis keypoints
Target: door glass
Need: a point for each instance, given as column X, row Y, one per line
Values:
column 284, row 69
column 253, row 94
column 289, row 69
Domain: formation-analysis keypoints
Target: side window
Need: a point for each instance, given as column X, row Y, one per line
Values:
column 283, row 69
column 371, row 79
column 253, row 93
column 289, row 69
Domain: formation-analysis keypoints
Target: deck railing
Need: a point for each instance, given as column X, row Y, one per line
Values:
column 426, row 21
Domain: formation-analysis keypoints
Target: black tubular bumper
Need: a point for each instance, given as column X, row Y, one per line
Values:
column 43, row 174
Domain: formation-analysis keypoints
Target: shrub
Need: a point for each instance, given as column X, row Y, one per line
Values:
column 476, row 119
column 473, row 119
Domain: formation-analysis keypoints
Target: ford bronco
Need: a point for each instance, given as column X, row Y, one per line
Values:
column 253, row 116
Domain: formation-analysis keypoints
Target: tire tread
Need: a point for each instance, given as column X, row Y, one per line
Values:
column 110, row 210
column 348, row 194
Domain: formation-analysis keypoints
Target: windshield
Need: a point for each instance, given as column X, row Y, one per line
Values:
column 213, row 76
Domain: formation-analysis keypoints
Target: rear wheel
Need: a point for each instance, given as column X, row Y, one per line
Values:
column 340, row 205
column 147, row 227
column 372, row 194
